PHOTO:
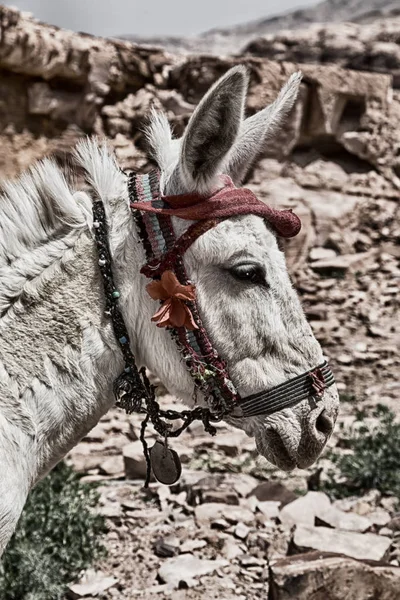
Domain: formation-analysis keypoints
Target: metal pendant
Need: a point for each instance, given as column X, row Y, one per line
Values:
column 165, row 463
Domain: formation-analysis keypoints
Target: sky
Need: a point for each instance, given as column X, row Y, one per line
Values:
column 153, row 17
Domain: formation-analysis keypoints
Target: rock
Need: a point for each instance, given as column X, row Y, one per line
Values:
column 97, row 434
column 166, row 547
column 304, row 509
column 242, row 483
column 206, row 513
column 92, row 584
column 390, row 503
column 213, row 488
column 339, row 519
column 269, row 509
column 386, row 531
column 344, row 359
column 325, row 576
column 223, row 496
column 367, row 546
column 394, row 524
column 134, row 461
column 251, row 561
column 231, row 549
column 186, row 567
column 241, row 531
column 379, row 517
column 113, row 465
column 111, row 510
column 231, row 442
column 273, row 491
column 191, row 545
column 340, row 263
column 317, row 253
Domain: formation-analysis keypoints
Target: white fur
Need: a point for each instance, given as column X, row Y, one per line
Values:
column 58, row 352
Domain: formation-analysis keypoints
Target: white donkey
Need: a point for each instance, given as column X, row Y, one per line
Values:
column 58, row 352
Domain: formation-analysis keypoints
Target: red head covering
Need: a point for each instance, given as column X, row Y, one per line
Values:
column 226, row 202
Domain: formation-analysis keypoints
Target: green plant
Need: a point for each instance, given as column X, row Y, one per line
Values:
column 344, row 397
column 58, row 535
column 374, row 459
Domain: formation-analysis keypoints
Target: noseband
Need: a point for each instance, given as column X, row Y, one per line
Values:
column 170, row 284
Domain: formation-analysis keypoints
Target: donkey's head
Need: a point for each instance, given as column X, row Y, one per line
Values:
column 246, row 300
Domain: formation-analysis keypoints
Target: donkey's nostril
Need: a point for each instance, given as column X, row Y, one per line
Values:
column 324, row 423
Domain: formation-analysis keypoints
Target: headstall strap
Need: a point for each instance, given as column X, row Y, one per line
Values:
column 164, row 253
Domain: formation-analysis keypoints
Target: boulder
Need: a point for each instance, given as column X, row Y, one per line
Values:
column 304, row 509
column 367, row 546
column 326, row 576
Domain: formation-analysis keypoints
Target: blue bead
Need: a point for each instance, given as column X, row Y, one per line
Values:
column 127, row 369
column 116, row 294
column 123, row 340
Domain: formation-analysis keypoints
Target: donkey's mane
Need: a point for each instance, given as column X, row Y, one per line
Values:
column 41, row 216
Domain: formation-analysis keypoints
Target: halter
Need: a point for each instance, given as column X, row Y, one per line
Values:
column 170, row 284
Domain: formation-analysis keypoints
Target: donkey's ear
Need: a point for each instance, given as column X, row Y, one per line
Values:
column 213, row 128
column 256, row 130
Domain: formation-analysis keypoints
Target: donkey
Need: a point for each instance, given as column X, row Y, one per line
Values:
column 58, row 352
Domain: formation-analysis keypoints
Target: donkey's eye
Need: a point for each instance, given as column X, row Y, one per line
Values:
column 251, row 273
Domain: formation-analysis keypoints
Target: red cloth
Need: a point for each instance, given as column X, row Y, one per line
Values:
column 225, row 203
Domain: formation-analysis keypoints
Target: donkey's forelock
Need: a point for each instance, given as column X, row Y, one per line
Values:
column 218, row 139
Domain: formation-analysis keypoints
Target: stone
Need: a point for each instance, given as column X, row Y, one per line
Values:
column 248, row 561
column 340, row 263
column 273, row 491
column 134, row 461
column 230, row 443
column 224, row 496
column 97, row 434
column 206, row 513
column 318, row 253
column 326, row 576
column 186, row 567
column 348, row 521
column 191, row 545
column 93, row 583
column 242, row 483
column 269, row 509
column 111, row 510
column 394, row 524
column 379, row 517
column 304, row 509
column 113, row 465
column 166, row 547
column 368, row 546
column 231, row 550
column 241, row 531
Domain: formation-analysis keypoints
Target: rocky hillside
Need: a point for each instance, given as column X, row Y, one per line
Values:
column 336, row 162
column 233, row 39
column 371, row 46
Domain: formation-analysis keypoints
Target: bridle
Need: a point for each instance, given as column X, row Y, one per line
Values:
column 153, row 215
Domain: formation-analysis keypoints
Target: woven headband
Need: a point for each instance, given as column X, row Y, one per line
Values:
column 225, row 203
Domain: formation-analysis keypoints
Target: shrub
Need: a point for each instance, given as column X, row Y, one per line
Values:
column 58, row 535
column 374, row 459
